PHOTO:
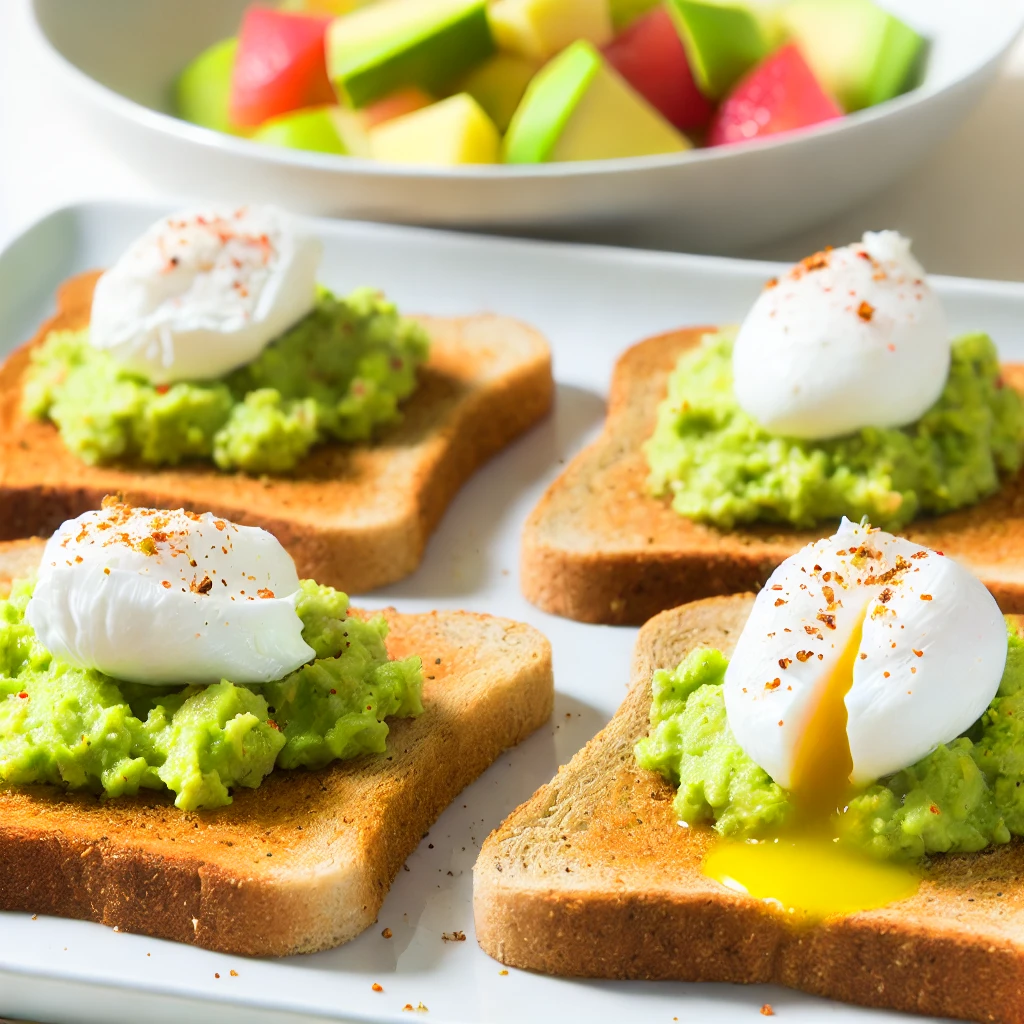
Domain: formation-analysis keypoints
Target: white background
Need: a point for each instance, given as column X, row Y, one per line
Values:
column 962, row 207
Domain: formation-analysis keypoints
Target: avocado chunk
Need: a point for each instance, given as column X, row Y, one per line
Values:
column 578, row 108
column 625, row 12
column 722, row 41
column 396, row 43
column 498, row 86
column 862, row 54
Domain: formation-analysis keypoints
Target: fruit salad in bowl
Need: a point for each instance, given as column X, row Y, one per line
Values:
column 450, row 82
column 708, row 127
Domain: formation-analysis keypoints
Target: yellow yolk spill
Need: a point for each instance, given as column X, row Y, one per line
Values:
column 806, row 869
column 823, row 762
column 810, row 873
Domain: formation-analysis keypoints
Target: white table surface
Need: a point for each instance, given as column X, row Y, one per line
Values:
column 962, row 207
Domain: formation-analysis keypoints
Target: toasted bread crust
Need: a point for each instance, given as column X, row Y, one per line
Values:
column 594, row 877
column 599, row 548
column 355, row 516
column 303, row 862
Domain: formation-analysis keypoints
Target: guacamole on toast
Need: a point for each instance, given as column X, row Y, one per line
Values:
column 719, row 466
column 80, row 729
column 339, row 374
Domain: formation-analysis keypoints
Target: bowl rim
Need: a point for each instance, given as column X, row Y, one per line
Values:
column 239, row 147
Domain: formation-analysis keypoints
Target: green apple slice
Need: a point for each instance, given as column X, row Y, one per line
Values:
column 327, row 129
column 397, row 43
column 578, row 108
column 538, row 29
column 203, row 89
column 722, row 41
column 446, row 134
column 862, row 54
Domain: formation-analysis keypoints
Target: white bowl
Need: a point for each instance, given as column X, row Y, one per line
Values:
column 121, row 57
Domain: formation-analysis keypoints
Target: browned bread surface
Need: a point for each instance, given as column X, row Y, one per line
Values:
column 18, row 559
column 303, row 862
column 354, row 516
column 592, row 876
column 599, row 548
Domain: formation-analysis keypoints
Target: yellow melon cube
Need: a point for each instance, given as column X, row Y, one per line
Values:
column 454, row 131
column 538, row 29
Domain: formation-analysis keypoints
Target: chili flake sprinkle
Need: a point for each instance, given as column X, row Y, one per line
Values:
column 204, row 586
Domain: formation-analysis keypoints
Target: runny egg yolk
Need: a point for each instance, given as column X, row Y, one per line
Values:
column 805, row 868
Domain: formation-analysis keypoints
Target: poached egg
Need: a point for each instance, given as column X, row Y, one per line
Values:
column 848, row 338
column 154, row 596
column 862, row 653
column 203, row 292
column 915, row 643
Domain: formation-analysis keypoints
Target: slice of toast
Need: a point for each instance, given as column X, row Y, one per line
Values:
column 594, row 877
column 354, row 516
column 303, row 862
column 599, row 548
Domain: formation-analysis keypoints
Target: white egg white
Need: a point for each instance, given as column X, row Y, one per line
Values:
column 203, row 292
column 848, row 338
column 929, row 662
column 153, row 596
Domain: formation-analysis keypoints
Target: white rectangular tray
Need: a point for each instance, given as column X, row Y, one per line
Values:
column 592, row 303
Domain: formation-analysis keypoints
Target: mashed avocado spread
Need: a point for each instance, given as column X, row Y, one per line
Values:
column 338, row 374
column 722, row 468
column 962, row 797
column 80, row 729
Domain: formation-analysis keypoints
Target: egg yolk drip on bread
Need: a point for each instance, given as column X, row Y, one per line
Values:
column 805, row 868
column 860, row 724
